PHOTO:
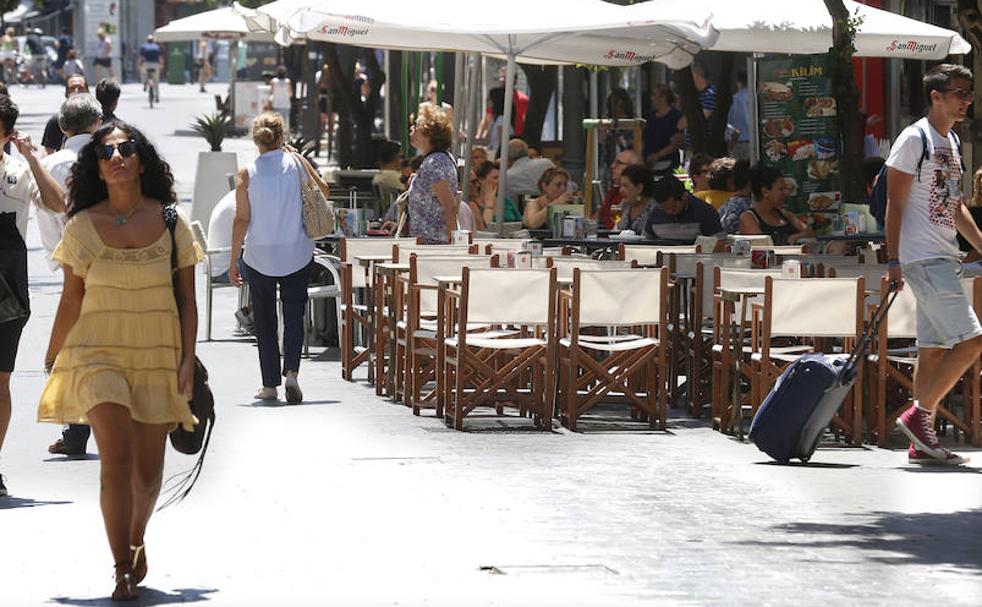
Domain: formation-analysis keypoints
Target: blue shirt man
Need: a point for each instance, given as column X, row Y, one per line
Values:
column 150, row 51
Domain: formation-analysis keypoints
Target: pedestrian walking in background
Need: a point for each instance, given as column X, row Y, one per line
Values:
column 280, row 94
column 72, row 66
column 104, row 57
column 278, row 253
column 25, row 183
column 66, row 44
column 53, row 137
column 432, row 203
column 924, row 215
column 121, row 354
column 204, row 64
column 79, row 117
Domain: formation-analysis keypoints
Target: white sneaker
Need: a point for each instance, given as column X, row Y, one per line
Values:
column 266, row 393
column 293, row 394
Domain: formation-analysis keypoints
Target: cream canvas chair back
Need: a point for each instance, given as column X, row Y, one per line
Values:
column 355, row 247
column 901, row 320
column 685, row 263
column 706, row 244
column 500, row 244
column 565, row 264
column 819, row 307
column 648, row 255
column 429, row 267
column 421, row 250
column 507, row 296
column 871, row 272
column 621, row 297
column 724, row 261
column 735, row 279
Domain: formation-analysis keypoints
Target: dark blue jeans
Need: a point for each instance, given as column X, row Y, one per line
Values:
column 293, row 295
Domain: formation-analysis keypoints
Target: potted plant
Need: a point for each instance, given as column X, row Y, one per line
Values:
column 210, row 177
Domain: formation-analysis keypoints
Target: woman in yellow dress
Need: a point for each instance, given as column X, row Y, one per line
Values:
column 121, row 355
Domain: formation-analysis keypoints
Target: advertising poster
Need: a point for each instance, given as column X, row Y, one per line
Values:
column 798, row 132
column 101, row 15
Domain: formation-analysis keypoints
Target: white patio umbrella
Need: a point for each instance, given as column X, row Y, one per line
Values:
column 805, row 27
column 590, row 32
column 219, row 24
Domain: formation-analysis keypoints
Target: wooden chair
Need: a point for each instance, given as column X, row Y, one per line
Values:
column 694, row 343
column 566, row 264
column 646, row 255
column 731, row 353
column 813, row 312
column 420, row 334
column 523, row 300
column 628, row 366
column 401, row 252
column 893, row 362
column 356, row 310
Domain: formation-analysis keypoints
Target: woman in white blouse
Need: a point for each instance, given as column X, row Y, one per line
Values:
column 277, row 252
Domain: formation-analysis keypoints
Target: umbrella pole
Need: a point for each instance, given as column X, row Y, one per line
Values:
column 475, row 64
column 499, row 211
column 458, row 90
column 233, row 60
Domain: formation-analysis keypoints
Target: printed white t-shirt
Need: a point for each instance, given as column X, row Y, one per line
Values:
column 928, row 227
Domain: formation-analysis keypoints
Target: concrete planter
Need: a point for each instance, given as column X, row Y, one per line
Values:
column 211, row 183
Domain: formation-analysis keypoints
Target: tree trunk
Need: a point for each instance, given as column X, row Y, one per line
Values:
column 852, row 123
column 356, row 119
column 542, row 80
column 970, row 18
column 574, row 109
column 707, row 135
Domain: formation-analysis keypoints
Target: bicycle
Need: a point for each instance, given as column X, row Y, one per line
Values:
column 153, row 89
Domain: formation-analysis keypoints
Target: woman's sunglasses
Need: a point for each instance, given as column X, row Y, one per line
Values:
column 126, row 149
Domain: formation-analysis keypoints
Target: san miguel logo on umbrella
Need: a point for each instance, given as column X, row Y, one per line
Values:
column 629, row 56
column 911, row 46
column 343, row 31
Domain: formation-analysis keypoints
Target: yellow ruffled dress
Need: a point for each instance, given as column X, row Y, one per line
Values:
column 126, row 346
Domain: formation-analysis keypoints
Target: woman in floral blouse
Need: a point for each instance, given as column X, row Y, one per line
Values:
column 432, row 205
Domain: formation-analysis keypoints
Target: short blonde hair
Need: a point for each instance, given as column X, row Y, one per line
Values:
column 434, row 124
column 268, row 130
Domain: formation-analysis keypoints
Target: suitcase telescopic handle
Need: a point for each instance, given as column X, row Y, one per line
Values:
column 849, row 369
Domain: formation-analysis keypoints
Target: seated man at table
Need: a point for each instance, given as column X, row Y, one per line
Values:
column 675, row 205
column 523, row 172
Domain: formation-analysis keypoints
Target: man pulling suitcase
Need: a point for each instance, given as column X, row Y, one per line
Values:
column 924, row 214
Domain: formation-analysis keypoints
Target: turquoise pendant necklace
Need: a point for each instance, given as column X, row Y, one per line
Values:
column 121, row 219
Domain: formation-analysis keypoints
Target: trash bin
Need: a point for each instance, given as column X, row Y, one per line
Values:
column 177, row 63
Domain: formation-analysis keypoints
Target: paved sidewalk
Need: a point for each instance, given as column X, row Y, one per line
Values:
column 350, row 500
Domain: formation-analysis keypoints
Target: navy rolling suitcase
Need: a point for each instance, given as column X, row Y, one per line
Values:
column 801, row 405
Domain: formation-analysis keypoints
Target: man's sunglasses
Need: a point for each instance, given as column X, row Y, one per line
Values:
column 126, row 149
column 963, row 94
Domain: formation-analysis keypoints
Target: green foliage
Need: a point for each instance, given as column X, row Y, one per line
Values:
column 849, row 27
column 213, row 128
column 8, row 5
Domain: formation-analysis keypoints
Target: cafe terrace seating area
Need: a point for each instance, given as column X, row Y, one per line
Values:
column 502, row 329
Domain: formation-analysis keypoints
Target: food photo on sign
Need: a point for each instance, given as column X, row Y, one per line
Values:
column 798, row 133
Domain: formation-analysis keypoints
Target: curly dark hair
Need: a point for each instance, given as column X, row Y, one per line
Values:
column 87, row 189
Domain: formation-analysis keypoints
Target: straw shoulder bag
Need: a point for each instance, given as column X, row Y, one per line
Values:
column 318, row 212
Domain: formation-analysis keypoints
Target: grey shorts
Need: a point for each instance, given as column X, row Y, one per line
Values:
column 945, row 316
